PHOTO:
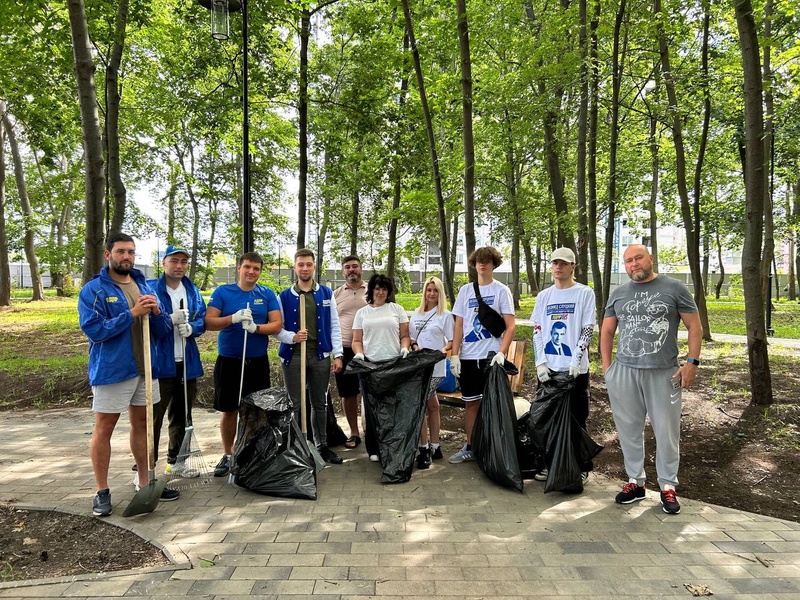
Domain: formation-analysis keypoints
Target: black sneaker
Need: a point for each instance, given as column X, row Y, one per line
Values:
column 223, row 466
column 329, row 456
column 669, row 502
column 169, row 495
column 437, row 453
column 101, row 505
column 424, row 458
column 630, row 493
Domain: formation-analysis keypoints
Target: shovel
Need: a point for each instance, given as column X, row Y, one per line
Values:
column 319, row 462
column 146, row 499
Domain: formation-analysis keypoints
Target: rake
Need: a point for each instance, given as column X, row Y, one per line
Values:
column 190, row 469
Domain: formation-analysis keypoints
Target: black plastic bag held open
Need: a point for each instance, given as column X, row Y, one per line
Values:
column 395, row 392
column 494, row 438
column 565, row 444
column 271, row 457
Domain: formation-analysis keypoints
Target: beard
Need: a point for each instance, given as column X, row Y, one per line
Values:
column 121, row 269
column 642, row 275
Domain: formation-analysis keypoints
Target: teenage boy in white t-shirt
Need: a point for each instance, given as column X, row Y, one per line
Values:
column 563, row 325
column 472, row 342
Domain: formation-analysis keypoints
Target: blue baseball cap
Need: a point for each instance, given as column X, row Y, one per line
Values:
column 176, row 249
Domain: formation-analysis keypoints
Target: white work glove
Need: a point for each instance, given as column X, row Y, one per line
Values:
column 403, row 352
column 499, row 359
column 185, row 330
column 180, row 316
column 249, row 326
column 244, row 314
column 358, row 356
column 455, row 366
column 543, row 373
column 574, row 370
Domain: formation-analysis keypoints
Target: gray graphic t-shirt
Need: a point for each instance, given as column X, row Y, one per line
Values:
column 648, row 318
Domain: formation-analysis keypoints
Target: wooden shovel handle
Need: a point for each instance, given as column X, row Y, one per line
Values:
column 148, row 391
column 303, row 426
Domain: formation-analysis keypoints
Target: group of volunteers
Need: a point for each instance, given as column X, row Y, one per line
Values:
column 360, row 321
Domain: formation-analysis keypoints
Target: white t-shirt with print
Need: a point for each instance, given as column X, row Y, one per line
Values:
column 477, row 342
column 432, row 331
column 559, row 317
column 381, row 330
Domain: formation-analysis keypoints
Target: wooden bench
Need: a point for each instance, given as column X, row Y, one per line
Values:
column 516, row 355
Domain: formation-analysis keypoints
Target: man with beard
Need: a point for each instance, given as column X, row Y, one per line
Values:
column 110, row 310
column 646, row 378
column 322, row 338
column 350, row 298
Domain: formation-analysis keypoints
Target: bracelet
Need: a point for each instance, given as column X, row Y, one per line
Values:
column 693, row 361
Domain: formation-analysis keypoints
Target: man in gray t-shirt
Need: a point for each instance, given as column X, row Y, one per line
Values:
column 646, row 377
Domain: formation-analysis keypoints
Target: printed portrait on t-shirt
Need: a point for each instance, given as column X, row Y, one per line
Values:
column 558, row 333
column 478, row 332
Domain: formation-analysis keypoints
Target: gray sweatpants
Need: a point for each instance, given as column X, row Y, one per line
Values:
column 635, row 394
column 317, row 377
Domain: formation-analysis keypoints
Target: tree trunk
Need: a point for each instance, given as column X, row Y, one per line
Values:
column 533, row 283
column 469, row 144
column 326, row 219
column 689, row 213
column 302, row 118
column 796, row 212
column 113, row 88
column 37, row 292
column 754, row 179
column 582, row 274
column 721, row 281
column 354, row 223
column 5, row 269
column 655, row 171
column 92, row 141
column 768, row 252
column 444, row 249
column 600, row 290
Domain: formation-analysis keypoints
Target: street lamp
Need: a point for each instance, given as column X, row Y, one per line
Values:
column 220, row 31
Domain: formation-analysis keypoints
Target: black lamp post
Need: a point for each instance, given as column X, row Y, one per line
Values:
column 220, row 31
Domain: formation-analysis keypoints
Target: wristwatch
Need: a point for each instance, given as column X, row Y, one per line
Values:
column 693, row 361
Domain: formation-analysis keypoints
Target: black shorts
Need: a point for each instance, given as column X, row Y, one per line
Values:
column 228, row 375
column 346, row 384
column 473, row 378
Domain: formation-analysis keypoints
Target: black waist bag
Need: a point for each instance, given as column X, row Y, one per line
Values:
column 489, row 318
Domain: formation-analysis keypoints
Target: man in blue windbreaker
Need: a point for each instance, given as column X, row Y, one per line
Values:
column 110, row 310
column 187, row 310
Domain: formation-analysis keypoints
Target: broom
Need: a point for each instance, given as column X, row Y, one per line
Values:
column 190, row 469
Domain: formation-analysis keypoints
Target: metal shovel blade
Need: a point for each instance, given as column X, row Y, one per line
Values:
column 146, row 499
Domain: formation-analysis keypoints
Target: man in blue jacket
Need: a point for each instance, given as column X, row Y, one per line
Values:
column 187, row 310
column 110, row 310
column 323, row 339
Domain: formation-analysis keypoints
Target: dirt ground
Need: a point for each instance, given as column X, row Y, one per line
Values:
column 732, row 454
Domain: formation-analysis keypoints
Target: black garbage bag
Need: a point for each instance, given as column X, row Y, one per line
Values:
column 336, row 436
column 494, row 437
column 271, row 457
column 565, row 444
column 395, row 393
column 531, row 460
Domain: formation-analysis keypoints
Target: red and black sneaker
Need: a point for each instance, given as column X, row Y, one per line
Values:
column 631, row 492
column 669, row 502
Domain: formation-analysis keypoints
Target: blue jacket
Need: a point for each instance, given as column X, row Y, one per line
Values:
column 329, row 335
column 106, row 320
column 197, row 315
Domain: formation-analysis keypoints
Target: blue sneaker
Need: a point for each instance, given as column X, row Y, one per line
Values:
column 101, row 505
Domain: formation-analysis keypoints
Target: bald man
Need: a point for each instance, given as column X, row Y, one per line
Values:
column 646, row 378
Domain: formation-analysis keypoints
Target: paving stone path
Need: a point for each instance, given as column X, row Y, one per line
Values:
column 448, row 533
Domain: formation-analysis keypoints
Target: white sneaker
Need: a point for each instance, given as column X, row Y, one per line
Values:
column 181, row 470
column 462, row 455
column 541, row 475
column 374, row 457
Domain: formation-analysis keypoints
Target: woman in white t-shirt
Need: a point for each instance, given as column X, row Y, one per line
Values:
column 432, row 327
column 380, row 333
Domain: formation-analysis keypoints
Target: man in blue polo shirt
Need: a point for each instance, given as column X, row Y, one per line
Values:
column 323, row 338
column 236, row 308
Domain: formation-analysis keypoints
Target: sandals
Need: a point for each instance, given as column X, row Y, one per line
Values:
column 352, row 442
